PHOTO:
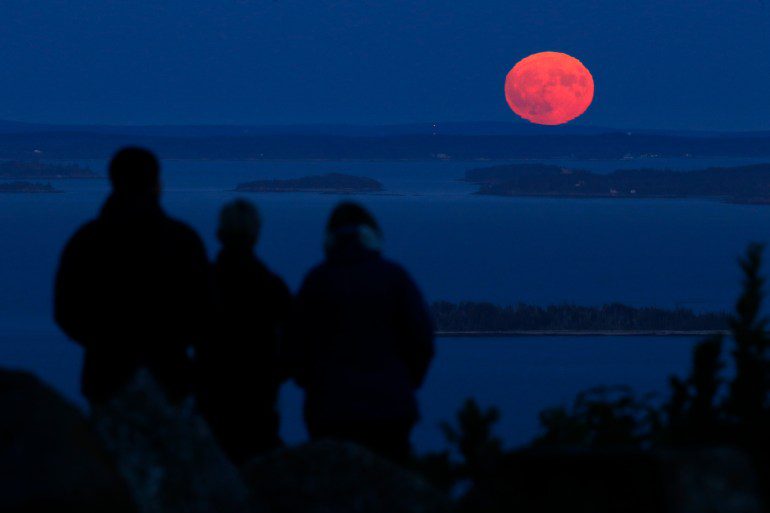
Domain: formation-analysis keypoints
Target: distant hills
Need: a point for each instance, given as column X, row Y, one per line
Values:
column 744, row 184
column 419, row 141
column 73, row 146
column 472, row 128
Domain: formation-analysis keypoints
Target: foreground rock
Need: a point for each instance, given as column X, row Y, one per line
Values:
column 50, row 460
column 717, row 479
column 338, row 477
column 688, row 481
column 167, row 455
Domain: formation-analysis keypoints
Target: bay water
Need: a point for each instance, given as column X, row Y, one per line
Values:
column 457, row 245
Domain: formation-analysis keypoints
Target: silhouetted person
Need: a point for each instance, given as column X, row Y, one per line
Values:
column 361, row 340
column 239, row 365
column 133, row 286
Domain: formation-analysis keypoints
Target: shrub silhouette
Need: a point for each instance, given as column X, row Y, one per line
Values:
column 473, row 439
column 702, row 409
column 599, row 418
column 474, row 451
column 692, row 413
column 747, row 402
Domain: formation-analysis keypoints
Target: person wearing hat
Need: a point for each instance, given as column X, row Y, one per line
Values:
column 239, row 365
column 361, row 340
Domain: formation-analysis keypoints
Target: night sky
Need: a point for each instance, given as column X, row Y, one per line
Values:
column 682, row 64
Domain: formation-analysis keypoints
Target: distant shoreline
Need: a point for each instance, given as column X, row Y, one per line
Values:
column 334, row 183
column 745, row 184
column 479, row 319
column 719, row 199
column 574, row 333
column 570, row 158
column 405, row 147
column 23, row 187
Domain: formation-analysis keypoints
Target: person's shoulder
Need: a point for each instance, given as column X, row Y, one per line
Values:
column 180, row 227
column 398, row 275
column 318, row 270
column 316, row 275
column 87, row 228
column 85, row 233
column 182, row 231
column 274, row 281
column 394, row 268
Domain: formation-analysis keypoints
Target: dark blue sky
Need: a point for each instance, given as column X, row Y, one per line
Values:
column 682, row 64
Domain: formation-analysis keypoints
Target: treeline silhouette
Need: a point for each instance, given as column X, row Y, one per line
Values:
column 481, row 316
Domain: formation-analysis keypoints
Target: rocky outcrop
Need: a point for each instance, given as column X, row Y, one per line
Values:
column 167, row 455
column 142, row 454
column 50, row 459
column 714, row 480
column 324, row 477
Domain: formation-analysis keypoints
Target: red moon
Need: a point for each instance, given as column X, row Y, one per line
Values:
column 549, row 88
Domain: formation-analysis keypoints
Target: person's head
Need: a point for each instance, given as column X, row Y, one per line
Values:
column 135, row 172
column 239, row 224
column 351, row 222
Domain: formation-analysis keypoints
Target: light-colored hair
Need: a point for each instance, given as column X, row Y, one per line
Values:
column 368, row 237
column 239, row 221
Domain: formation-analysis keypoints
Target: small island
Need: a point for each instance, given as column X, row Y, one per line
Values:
column 16, row 169
column 488, row 319
column 27, row 187
column 332, row 183
column 741, row 184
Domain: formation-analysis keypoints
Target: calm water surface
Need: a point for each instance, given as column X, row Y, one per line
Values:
column 457, row 245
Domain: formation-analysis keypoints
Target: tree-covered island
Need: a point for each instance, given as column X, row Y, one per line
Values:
column 27, row 187
column 333, row 183
column 37, row 170
column 479, row 318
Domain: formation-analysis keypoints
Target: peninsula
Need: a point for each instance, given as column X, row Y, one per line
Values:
column 742, row 184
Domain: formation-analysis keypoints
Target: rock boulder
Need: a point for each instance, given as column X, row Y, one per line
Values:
column 167, row 455
column 325, row 477
column 50, row 459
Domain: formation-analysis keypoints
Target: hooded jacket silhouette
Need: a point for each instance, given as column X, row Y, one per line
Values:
column 133, row 288
column 361, row 341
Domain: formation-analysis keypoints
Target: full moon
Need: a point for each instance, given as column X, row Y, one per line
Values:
column 549, row 88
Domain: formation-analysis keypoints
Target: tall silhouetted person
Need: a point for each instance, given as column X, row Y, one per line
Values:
column 133, row 286
column 239, row 365
column 361, row 340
